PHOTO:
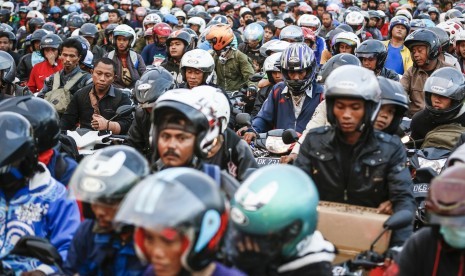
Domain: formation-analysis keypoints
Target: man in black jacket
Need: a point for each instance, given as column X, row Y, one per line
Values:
column 372, row 54
column 351, row 162
column 178, row 43
column 93, row 105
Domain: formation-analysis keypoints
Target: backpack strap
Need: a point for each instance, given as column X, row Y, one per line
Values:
column 56, row 81
column 213, row 171
column 73, row 81
column 134, row 59
column 111, row 54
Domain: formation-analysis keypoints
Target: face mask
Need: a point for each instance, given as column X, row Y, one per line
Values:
column 454, row 236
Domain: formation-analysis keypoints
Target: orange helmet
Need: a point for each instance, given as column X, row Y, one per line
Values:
column 220, row 36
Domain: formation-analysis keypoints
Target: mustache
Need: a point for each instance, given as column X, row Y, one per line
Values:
column 171, row 152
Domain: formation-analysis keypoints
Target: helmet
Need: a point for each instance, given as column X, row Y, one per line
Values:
column 350, row 39
column 110, row 29
column 89, row 60
column 170, row 19
column 220, row 36
column 103, row 17
column 261, row 209
column 125, row 2
column 18, row 145
column 335, row 62
column 75, row 22
column 35, row 5
column 8, row 66
column 151, row 18
column 424, row 37
column 453, row 13
column 34, row 14
column 447, row 82
column 445, row 203
column 166, row 193
column 35, row 22
column 374, row 14
column 372, row 48
column 180, row 13
column 220, row 103
column 37, row 35
column 151, row 85
column 54, row 10
column 196, row 109
column 292, row 33
column 197, row 21
column 50, row 41
column 392, row 92
column 452, row 28
column 253, row 32
column 126, row 31
column 141, row 11
column 24, row 9
column 180, row 35
column 50, row 27
column 273, row 46
column 352, row 81
column 218, row 19
column 345, row 28
column 416, row 24
column 106, row 8
column 443, row 37
column 88, row 30
column 435, row 10
column 398, row 20
column 298, row 57
column 41, row 115
column 9, row 6
column 108, row 175
column 356, row 21
column 194, row 36
column 162, row 29
column 405, row 13
column 333, row 8
column 310, row 21
column 272, row 64
column 423, row 16
column 459, row 38
column 198, row 59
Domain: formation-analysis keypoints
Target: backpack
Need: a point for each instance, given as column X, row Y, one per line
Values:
column 69, row 147
column 61, row 97
column 443, row 136
column 132, row 55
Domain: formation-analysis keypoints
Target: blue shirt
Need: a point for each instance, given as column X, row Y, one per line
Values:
column 394, row 59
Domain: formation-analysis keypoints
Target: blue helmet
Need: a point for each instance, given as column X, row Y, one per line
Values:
column 399, row 20
column 298, row 57
column 54, row 10
column 253, row 32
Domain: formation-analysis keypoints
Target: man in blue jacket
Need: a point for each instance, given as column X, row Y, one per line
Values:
column 291, row 103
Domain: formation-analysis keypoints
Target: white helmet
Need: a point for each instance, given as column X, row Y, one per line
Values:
column 459, row 37
column 75, row 33
column 126, row 2
column 310, row 21
column 197, row 21
column 270, row 63
column 151, row 18
column 405, row 13
column 180, row 14
column 198, row 59
column 220, row 103
column 333, row 7
column 199, row 8
column 88, row 60
column 273, row 46
column 356, row 21
column 126, row 31
column 348, row 38
column 164, row 11
column 35, row 5
column 9, row 6
column 32, row 14
column 103, row 17
column 452, row 28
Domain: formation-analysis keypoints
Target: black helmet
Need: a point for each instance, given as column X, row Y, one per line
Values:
column 443, row 37
column 41, row 115
column 424, row 37
column 18, row 145
column 335, row 62
column 356, row 82
column 75, row 22
column 88, row 29
column 158, row 203
column 84, row 45
column 424, row 16
column 109, row 29
column 35, row 22
column 108, row 175
column 374, row 14
column 392, row 92
column 7, row 64
column 50, row 41
column 417, row 24
column 185, row 37
column 50, row 27
column 38, row 35
column 344, row 27
column 152, row 84
column 194, row 37
column 372, row 48
column 447, row 82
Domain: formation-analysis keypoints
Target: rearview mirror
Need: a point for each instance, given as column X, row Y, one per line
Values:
column 243, row 119
column 290, row 136
column 38, row 248
column 124, row 110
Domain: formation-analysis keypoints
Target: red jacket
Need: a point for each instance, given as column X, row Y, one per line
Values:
column 39, row 72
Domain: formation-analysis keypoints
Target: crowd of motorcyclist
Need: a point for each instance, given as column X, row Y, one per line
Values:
column 183, row 194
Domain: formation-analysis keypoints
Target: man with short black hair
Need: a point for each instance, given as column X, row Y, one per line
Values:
column 327, row 22
column 93, row 105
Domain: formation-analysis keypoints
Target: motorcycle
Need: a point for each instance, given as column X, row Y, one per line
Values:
column 370, row 260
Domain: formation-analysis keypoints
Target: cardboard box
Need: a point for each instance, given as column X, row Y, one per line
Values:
column 351, row 228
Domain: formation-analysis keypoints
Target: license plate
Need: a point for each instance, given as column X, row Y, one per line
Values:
column 264, row 161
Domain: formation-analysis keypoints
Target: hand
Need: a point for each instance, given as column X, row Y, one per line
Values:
column 385, row 208
column 33, row 273
column 249, row 136
column 241, row 131
column 99, row 122
column 247, row 245
column 51, row 57
column 285, row 159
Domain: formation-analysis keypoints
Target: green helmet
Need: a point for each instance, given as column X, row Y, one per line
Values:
column 279, row 202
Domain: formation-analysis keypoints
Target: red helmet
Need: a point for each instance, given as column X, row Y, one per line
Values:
column 162, row 29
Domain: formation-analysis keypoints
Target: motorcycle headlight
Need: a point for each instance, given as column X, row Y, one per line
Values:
column 275, row 144
column 436, row 165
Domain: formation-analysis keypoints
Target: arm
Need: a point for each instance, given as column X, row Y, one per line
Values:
column 31, row 83
column 246, row 69
column 142, row 67
column 70, row 118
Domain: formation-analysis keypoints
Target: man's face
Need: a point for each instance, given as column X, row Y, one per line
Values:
column 253, row 44
column 382, row 6
column 373, row 22
column 104, row 214
column 36, row 45
column 113, row 18
column 369, row 62
column 105, row 24
column 164, row 249
column 230, row 12
column 419, row 55
column 326, row 21
column 103, row 76
column 70, row 58
column 125, row 7
column 440, row 102
column 161, row 39
column 275, row 10
column 345, row 48
column 399, row 32
column 268, row 35
column 176, row 48
column 461, row 48
column 349, row 114
column 277, row 76
column 364, row 6
column 85, row 3
column 433, row 15
column 385, row 116
column 175, row 147
column 194, row 77
column 4, row 44
column 372, row 5
column 320, row 11
column 282, row 7
column 90, row 39
column 248, row 17
column 297, row 75
column 122, row 43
